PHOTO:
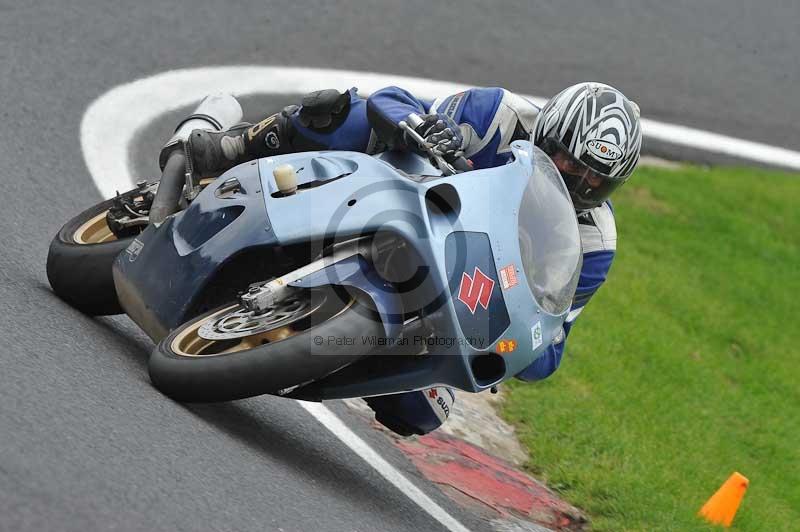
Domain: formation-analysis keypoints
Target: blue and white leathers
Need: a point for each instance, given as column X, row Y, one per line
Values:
column 489, row 120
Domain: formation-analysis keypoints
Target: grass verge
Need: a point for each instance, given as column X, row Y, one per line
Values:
column 685, row 366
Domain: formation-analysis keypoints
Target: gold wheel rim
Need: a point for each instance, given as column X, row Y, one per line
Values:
column 189, row 343
column 94, row 231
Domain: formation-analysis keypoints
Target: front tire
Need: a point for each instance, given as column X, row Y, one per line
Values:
column 79, row 262
column 189, row 367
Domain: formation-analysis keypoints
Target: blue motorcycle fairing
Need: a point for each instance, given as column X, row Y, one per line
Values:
column 174, row 262
column 343, row 195
column 377, row 197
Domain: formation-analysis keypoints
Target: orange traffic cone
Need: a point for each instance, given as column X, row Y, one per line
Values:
column 721, row 507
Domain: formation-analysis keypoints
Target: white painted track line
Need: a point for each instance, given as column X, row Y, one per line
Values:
column 386, row 470
column 716, row 143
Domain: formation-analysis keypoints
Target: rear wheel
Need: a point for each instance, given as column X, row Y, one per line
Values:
column 81, row 255
column 231, row 353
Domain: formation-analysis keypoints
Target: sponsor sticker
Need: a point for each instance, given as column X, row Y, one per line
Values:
column 506, row 346
column 508, row 277
column 475, row 289
column 604, row 150
column 444, row 406
column 441, row 401
column 536, row 334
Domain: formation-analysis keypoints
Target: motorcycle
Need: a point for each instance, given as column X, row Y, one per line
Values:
column 324, row 275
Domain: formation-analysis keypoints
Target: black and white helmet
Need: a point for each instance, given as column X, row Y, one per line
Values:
column 592, row 133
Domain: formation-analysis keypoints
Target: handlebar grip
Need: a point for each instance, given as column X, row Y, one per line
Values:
column 462, row 164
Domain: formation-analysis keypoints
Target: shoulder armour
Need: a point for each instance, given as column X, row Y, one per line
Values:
column 598, row 229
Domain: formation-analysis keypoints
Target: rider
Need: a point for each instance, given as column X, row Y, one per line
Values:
column 590, row 130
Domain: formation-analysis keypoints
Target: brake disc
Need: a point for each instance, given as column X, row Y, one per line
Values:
column 240, row 322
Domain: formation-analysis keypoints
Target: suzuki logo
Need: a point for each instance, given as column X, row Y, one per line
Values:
column 432, row 393
column 475, row 289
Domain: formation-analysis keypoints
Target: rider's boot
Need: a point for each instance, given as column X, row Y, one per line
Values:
column 295, row 129
column 213, row 152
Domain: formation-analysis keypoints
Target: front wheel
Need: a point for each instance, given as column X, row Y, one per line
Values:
column 82, row 252
column 230, row 353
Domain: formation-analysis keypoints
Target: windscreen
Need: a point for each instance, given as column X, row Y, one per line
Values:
column 549, row 241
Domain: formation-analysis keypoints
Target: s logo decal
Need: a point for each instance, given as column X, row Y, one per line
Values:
column 475, row 289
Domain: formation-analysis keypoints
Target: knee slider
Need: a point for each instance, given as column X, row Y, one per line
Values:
column 324, row 110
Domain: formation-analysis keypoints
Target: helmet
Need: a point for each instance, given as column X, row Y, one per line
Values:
column 592, row 133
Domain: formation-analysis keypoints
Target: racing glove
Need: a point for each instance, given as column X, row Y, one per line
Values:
column 440, row 131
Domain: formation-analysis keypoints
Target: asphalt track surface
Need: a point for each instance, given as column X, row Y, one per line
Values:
column 85, row 442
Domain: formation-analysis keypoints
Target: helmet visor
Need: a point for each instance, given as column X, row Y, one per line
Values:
column 587, row 187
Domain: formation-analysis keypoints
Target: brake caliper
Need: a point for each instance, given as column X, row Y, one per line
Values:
column 129, row 213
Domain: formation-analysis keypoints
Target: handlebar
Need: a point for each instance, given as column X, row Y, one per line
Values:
column 458, row 165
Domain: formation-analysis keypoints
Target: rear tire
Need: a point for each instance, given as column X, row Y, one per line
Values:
column 80, row 272
column 270, row 361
